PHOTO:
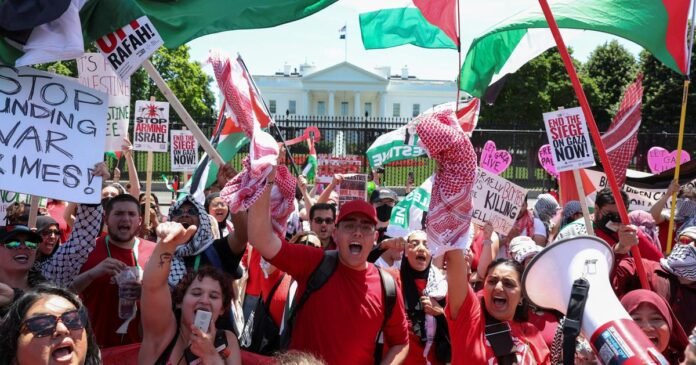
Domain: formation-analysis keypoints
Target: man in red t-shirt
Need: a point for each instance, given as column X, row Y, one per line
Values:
column 88, row 264
column 340, row 321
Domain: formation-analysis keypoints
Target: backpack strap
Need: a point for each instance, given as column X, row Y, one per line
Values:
column 316, row 280
column 272, row 292
column 389, row 300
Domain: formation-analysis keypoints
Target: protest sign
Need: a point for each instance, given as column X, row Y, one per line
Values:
column 496, row 201
column 184, row 151
column 127, row 48
column 494, row 160
column 546, row 160
column 660, row 159
column 330, row 165
column 95, row 73
column 151, row 130
column 353, row 187
column 51, row 135
column 410, row 213
column 396, row 145
column 569, row 139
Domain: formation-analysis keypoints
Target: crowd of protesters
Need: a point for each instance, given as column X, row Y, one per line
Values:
column 92, row 283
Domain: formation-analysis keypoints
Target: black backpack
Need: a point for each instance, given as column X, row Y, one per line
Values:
column 317, row 279
column 260, row 334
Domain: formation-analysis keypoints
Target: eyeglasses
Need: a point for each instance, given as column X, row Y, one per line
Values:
column 320, row 220
column 50, row 232
column 15, row 245
column 45, row 324
column 352, row 227
column 179, row 212
column 685, row 240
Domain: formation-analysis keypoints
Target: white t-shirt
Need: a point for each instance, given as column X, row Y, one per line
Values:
column 539, row 228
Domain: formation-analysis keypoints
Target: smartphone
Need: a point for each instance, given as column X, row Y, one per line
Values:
column 613, row 226
column 411, row 177
column 202, row 320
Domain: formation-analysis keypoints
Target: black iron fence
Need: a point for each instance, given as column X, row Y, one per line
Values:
column 353, row 136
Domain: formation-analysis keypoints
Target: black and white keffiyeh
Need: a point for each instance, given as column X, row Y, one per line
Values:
column 200, row 241
column 681, row 262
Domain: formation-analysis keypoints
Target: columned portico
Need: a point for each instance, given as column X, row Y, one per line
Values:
column 331, row 111
column 356, row 104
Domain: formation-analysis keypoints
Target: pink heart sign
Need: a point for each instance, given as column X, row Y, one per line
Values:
column 493, row 160
column 546, row 160
column 660, row 159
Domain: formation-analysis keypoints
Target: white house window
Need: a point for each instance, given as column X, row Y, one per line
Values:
column 292, row 106
column 321, row 108
column 344, row 108
column 416, row 110
column 272, row 106
column 396, row 111
column 368, row 109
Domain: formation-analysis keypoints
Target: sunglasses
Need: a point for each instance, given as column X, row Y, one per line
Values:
column 319, row 220
column 45, row 324
column 179, row 212
column 685, row 240
column 50, row 232
column 15, row 245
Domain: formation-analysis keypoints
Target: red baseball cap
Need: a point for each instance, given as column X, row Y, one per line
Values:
column 357, row 207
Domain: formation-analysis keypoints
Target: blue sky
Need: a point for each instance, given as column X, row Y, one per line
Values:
column 315, row 39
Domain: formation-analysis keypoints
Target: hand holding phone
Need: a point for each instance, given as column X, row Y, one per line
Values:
column 202, row 320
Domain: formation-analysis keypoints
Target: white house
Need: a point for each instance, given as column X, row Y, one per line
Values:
column 345, row 89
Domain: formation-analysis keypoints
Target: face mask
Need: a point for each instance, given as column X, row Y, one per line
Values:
column 609, row 221
column 384, row 213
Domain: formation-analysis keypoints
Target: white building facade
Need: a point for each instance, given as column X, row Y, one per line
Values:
column 347, row 90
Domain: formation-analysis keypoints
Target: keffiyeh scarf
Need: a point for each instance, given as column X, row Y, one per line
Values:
column 199, row 243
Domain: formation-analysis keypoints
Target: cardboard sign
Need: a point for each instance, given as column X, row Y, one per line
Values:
column 546, row 160
column 151, row 132
column 496, row 201
column 127, row 48
column 660, row 159
column 184, row 151
column 571, row 148
column 353, row 187
column 94, row 72
column 494, row 160
column 51, row 135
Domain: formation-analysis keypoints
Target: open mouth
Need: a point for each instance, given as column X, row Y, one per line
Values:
column 355, row 248
column 22, row 259
column 653, row 339
column 124, row 229
column 420, row 258
column 499, row 302
column 63, row 353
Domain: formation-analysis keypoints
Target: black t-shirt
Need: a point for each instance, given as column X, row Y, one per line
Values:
column 229, row 262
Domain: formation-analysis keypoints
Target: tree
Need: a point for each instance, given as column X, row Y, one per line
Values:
column 612, row 67
column 540, row 86
column 663, row 89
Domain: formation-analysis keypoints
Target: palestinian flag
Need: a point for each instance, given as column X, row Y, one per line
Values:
column 116, row 155
column 422, row 23
column 177, row 22
column 659, row 26
column 410, row 214
column 310, row 169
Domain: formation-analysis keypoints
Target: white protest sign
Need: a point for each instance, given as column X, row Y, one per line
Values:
column 94, row 72
column 127, row 48
column 184, row 151
column 353, row 187
column 496, row 201
column 151, row 130
column 51, row 135
column 570, row 142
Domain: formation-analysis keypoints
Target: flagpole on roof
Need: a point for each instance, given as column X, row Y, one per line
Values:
column 594, row 131
column 682, row 122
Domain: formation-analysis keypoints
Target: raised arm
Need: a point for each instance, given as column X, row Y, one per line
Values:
column 489, row 252
column 306, row 197
column 457, row 280
column 656, row 209
column 259, row 226
column 127, row 149
column 326, row 194
column 158, row 321
column 238, row 239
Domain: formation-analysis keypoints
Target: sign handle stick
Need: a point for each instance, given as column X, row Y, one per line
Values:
column 680, row 142
column 148, row 181
column 33, row 211
column 183, row 114
column 583, row 202
column 592, row 126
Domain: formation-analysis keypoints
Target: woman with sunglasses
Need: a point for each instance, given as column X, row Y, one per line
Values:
column 18, row 246
column 47, row 325
column 673, row 278
column 47, row 228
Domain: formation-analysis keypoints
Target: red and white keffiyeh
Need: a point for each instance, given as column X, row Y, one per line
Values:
column 449, row 214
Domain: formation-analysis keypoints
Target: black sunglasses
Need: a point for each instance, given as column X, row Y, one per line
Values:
column 45, row 324
column 319, row 220
column 179, row 212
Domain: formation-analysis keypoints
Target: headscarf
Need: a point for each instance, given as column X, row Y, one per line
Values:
column 646, row 223
column 196, row 245
column 677, row 337
column 545, row 207
column 570, row 209
column 681, row 262
column 523, row 247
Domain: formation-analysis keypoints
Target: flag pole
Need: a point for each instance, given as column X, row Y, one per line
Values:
column 680, row 140
column 592, row 125
column 272, row 123
column 181, row 111
column 345, row 44
column 459, row 55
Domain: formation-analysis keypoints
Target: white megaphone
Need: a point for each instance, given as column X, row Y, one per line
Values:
column 547, row 282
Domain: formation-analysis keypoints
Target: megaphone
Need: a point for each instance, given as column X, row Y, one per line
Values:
column 547, row 282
